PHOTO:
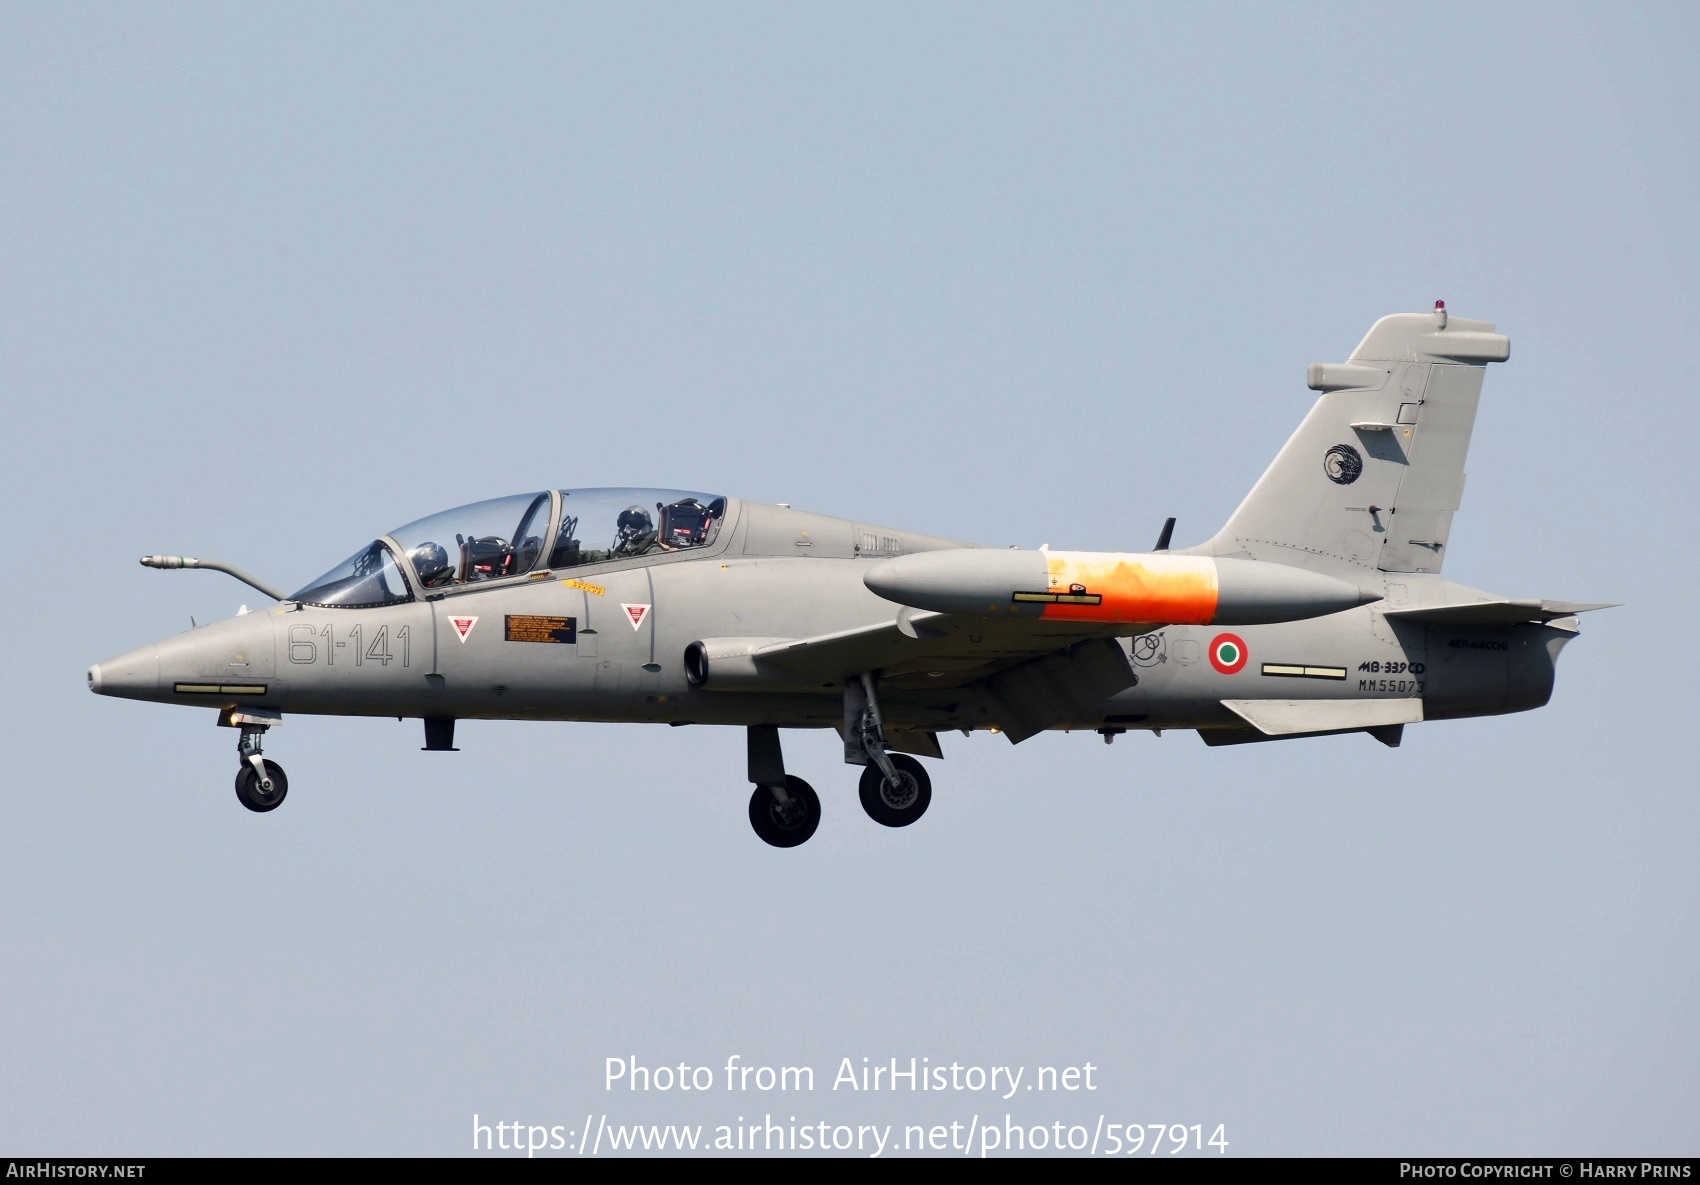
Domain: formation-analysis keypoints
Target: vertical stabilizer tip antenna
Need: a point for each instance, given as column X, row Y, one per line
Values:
column 1440, row 313
column 1167, row 534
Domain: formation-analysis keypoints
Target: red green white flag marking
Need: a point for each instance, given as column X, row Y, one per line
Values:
column 1227, row 653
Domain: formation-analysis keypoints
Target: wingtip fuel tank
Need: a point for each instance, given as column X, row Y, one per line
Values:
column 1108, row 587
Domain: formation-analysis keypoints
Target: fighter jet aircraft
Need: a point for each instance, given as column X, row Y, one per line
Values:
column 1318, row 608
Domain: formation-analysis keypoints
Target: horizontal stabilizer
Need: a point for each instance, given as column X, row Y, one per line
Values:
column 1495, row 612
column 1292, row 717
column 1387, row 734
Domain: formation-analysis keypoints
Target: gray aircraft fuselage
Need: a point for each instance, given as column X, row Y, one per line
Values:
column 410, row 660
column 1318, row 608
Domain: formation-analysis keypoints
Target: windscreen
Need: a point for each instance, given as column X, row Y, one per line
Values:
column 368, row 577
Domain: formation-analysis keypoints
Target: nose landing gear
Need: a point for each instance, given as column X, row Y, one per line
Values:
column 261, row 793
column 260, row 784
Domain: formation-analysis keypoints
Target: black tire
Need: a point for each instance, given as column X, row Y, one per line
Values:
column 788, row 826
column 248, row 791
column 901, row 804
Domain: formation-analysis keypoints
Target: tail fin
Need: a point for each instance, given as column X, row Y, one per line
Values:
column 1374, row 473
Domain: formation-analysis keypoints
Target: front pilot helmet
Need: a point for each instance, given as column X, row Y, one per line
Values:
column 636, row 528
column 431, row 562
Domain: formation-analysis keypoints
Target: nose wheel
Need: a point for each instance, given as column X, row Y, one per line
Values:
column 260, row 784
column 261, row 794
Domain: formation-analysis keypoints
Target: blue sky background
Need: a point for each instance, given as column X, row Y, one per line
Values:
column 275, row 280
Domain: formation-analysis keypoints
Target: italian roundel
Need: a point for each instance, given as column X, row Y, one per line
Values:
column 1227, row 654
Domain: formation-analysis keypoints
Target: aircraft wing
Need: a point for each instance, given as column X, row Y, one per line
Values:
column 1031, row 674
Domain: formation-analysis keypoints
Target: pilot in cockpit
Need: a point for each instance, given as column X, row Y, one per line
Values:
column 431, row 562
column 635, row 531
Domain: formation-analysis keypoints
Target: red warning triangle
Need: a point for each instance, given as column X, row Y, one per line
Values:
column 637, row 613
column 463, row 625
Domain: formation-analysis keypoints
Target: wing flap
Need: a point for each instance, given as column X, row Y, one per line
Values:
column 918, row 741
column 1029, row 698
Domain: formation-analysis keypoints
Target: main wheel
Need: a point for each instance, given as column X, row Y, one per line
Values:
column 900, row 803
column 787, row 825
column 249, row 792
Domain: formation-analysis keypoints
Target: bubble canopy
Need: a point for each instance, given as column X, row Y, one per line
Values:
column 514, row 536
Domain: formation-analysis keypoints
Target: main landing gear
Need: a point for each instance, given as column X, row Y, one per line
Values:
column 895, row 789
column 898, row 800
column 785, row 814
column 784, row 809
column 260, row 784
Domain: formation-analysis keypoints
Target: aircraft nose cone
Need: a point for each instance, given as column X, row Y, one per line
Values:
column 131, row 676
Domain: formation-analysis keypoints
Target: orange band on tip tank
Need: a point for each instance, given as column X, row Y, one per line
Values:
column 1089, row 586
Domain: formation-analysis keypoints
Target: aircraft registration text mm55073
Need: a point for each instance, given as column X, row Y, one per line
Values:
column 1318, row 608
